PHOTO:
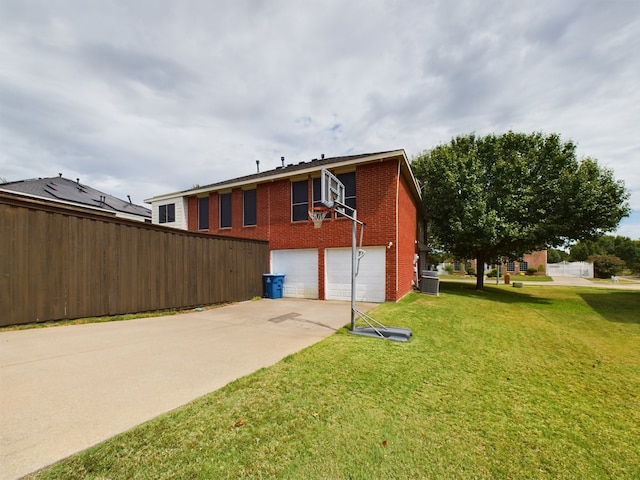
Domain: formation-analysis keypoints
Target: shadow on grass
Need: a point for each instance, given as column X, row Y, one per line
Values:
column 621, row 307
column 494, row 293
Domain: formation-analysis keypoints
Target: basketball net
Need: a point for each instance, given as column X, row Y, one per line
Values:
column 317, row 215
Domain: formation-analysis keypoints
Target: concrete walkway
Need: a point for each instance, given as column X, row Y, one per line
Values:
column 64, row 389
column 584, row 282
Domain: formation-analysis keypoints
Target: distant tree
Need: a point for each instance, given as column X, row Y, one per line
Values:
column 604, row 266
column 622, row 247
column 504, row 196
column 556, row 256
column 581, row 251
column 629, row 251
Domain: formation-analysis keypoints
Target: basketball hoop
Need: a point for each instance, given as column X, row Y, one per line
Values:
column 317, row 215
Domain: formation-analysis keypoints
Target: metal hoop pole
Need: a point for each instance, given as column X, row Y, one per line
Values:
column 353, row 271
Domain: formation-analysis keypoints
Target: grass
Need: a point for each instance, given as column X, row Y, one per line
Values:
column 80, row 321
column 529, row 278
column 108, row 318
column 535, row 383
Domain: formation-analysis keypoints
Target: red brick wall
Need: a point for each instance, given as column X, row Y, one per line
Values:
column 192, row 208
column 536, row 259
column 214, row 212
column 407, row 236
column 376, row 186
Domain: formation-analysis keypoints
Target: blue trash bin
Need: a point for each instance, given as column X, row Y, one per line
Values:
column 273, row 284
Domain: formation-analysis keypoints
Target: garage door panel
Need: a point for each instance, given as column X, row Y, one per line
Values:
column 300, row 268
column 370, row 282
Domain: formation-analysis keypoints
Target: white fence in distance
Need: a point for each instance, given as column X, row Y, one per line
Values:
column 570, row 269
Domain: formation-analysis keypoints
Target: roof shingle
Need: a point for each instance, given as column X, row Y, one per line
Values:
column 64, row 189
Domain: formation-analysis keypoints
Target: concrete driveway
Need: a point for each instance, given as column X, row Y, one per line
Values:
column 64, row 389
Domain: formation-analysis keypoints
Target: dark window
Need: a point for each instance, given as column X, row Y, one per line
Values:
column 203, row 213
column 317, row 194
column 167, row 213
column 249, row 207
column 225, row 210
column 524, row 266
column 349, row 182
column 299, row 201
column 511, row 266
column 456, row 266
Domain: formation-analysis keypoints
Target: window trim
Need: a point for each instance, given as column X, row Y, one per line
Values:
column 169, row 215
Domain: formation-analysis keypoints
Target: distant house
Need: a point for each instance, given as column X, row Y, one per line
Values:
column 273, row 205
column 69, row 192
column 533, row 259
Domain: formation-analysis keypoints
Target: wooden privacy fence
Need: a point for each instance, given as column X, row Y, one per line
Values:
column 59, row 262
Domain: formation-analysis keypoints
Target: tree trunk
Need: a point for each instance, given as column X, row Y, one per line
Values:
column 480, row 271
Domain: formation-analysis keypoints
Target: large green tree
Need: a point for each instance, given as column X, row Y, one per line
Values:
column 622, row 247
column 504, row 196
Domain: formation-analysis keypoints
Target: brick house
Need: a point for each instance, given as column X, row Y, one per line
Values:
column 533, row 259
column 273, row 205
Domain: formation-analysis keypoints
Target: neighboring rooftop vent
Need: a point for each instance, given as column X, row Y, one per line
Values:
column 282, row 160
column 129, row 197
column 60, row 175
column 258, row 165
column 322, row 156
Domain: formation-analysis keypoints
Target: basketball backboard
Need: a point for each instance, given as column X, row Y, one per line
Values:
column 331, row 189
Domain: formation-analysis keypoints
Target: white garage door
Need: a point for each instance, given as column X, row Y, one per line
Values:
column 301, row 270
column 370, row 281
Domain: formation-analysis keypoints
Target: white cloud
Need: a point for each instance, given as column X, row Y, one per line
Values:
column 149, row 97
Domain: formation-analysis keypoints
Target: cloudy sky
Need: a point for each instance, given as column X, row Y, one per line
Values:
column 145, row 97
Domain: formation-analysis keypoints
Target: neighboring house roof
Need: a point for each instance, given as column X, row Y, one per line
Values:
column 65, row 190
column 299, row 169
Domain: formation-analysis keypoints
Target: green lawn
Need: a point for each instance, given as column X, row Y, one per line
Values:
column 507, row 383
column 492, row 280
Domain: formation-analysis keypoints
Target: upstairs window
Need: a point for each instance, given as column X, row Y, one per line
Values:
column 349, row 182
column 203, row 213
column 249, row 208
column 167, row 213
column 317, row 194
column 225, row 210
column 299, row 201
